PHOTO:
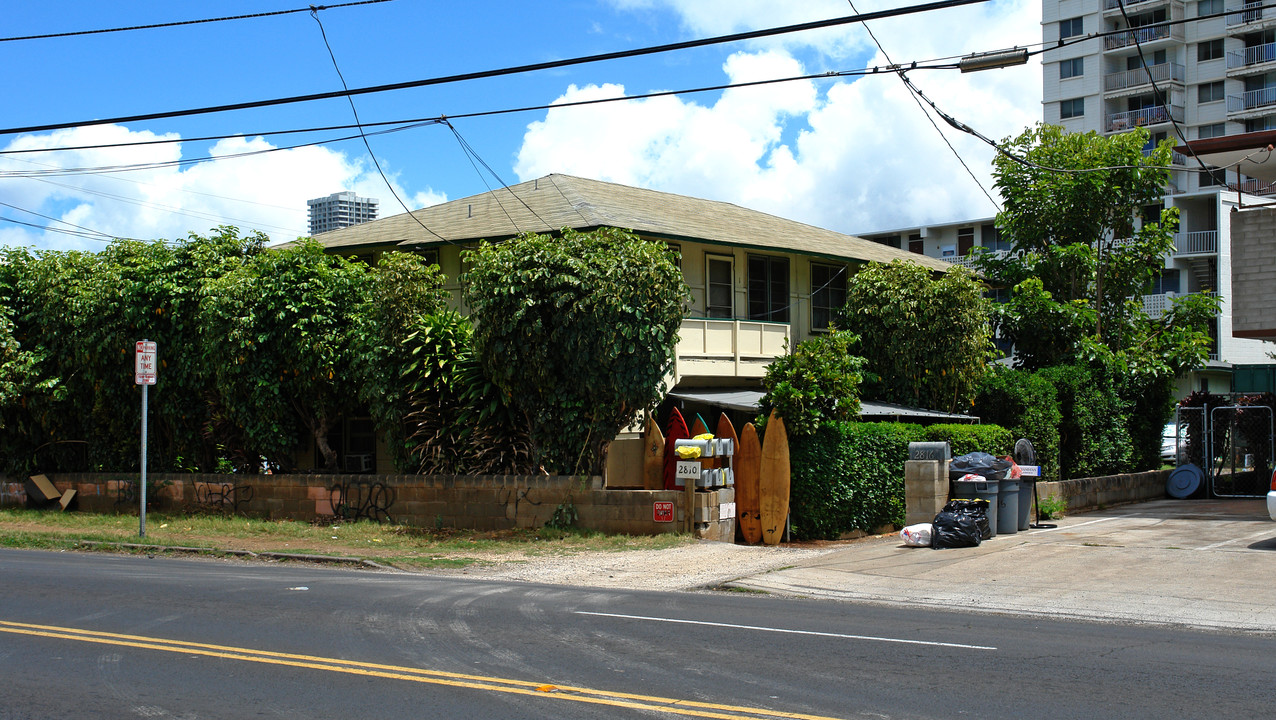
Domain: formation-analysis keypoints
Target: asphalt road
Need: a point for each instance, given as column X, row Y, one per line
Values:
column 88, row 635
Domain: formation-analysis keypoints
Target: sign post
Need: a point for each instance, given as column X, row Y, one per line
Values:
column 144, row 369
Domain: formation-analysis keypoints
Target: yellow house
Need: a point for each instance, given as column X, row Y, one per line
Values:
column 759, row 283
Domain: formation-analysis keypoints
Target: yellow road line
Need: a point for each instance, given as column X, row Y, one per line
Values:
column 420, row 675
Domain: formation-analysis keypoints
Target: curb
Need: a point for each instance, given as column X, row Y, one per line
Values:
column 238, row 553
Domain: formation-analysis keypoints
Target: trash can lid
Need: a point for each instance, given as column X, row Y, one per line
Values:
column 1184, row 481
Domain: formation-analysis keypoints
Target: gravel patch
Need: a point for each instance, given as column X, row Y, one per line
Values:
column 689, row 567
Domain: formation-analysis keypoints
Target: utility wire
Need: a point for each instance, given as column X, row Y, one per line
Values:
column 473, row 155
column 921, row 107
column 87, row 232
column 363, row 136
column 189, row 22
column 637, row 52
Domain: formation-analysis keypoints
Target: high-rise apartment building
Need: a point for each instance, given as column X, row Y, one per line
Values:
column 340, row 210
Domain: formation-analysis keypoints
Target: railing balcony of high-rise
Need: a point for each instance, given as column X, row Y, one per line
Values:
column 1256, row 55
column 1142, row 36
column 1165, row 72
column 1137, row 5
column 1141, row 118
column 1176, row 157
column 1252, row 99
column 1199, row 242
column 1256, row 187
column 1252, row 12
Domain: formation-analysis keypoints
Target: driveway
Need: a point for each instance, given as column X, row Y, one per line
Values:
column 1198, row 563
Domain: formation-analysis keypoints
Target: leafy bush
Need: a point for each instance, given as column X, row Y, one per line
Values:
column 1093, row 436
column 1027, row 406
column 963, row 439
column 817, row 384
column 849, row 476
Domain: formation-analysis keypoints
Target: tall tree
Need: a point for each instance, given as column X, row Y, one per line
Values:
column 578, row 331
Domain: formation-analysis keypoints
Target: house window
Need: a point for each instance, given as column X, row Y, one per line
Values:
column 916, row 244
column 677, row 254
column 354, row 439
column 1209, row 92
column 1071, row 68
column 1209, row 50
column 828, row 294
column 431, row 256
column 1211, row 131
column 720, row 287
column 1071, row 108
column 1209, row 7
column 768, row 288
column 1071, row 27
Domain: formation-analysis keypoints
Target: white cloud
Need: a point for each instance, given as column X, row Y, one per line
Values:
column 266, row 191
column 854, row 156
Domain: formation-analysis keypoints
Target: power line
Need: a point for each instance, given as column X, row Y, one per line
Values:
column 180, row 23
column 447, row 79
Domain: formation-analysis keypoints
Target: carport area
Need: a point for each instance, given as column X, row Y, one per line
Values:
column 1203, row 563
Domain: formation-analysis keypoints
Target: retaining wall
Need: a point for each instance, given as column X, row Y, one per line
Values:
column 495, row 502
column 1082, row 494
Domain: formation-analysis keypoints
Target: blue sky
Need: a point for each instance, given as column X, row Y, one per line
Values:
column 851, row 154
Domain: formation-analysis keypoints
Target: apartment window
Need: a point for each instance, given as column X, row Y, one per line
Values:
column 990, row 238
column 1209, row 92
column 828, row 294
column 1071, row 68
column 1209, row 7
column 1070, row 28
column 1165, row 282
column 1211, row 131
column 1210, row 50
column 1071, row 108
column 768, row 288
column 889, row 240
column 720, row 291
column 916, row 244
column 1212, row 177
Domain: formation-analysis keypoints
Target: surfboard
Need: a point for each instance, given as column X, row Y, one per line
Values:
column 677, row 430
column 699, row 427
column 726, row 431
column 653, row 460
column 773, row 480
column 748, row 465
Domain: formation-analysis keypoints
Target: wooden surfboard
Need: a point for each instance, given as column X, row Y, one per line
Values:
column 748, row 466
column 677, row 430
column 653, row 460
column 699, row 427
column 773, row 480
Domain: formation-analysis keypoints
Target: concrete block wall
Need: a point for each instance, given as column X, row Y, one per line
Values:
column 495, row 502
column 1254, row 271
column 1082, row 494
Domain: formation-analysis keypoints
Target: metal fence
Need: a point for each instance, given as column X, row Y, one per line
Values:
column 1240, row 438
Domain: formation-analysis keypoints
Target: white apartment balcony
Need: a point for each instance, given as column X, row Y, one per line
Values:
column 1255, row 102
column 1148, row 37
column 1113, row 7
column 1249, row 17
column 1177, row 159
column 1147, row 117
column 710, row 347
column 1201, row 242
column 968, row 260
column 1129, row 82
column 1251, row 60
column 1257, row 187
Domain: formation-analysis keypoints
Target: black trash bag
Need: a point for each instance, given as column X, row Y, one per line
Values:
column 975, row 508
column 978, row 463
column 954, row 530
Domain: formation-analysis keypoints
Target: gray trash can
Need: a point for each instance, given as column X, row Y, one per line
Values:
column 981, row 489
column 1008, row 507
column 1026, row 486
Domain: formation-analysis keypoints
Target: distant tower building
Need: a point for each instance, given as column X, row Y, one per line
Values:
column 340, row 210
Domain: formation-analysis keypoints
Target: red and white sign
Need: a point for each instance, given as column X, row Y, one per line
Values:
column 662, row 511
column 144, row 363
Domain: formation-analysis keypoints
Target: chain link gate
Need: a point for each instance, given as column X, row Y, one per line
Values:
column 1191, row 437
column 1238, row 446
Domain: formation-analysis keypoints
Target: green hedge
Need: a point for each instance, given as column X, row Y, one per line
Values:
column 1094, row 437
column 850, row 476
column 1027, row 405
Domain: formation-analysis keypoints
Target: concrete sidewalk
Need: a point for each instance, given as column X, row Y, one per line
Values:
column 1197, row 563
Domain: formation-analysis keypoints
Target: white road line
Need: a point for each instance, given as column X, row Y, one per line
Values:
column 1069, row 527
column 793, row 632
column 1236, row 540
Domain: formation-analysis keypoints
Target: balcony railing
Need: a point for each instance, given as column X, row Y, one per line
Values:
column 1176, row 157
column 1253, row 12
column 1135, row 4
column 1121, row 121
column 1257, row 187
column 968, row 260
column 730, row 348
column 1143, row 36
column 1165, row 72
column 1256, row 55
column 1202, row 242
column 1251, row 100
